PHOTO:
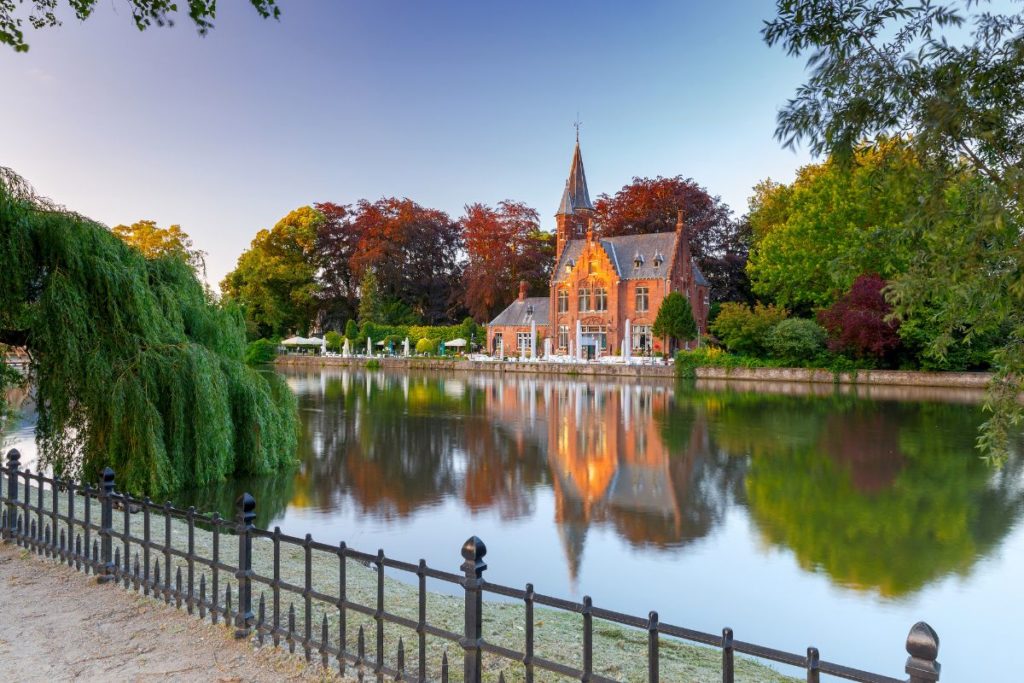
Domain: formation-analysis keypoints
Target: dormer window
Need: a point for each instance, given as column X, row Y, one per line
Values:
column 529, row 311
column 638, row 260
column 569, row 265
column 658, row 259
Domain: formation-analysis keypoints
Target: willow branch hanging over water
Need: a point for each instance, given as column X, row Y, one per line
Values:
column 134, row 365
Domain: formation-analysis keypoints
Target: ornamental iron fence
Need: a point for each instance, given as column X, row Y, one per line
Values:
column 60, row 524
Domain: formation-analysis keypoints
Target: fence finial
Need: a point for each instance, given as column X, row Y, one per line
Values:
column 473, row 550
column 923, row 648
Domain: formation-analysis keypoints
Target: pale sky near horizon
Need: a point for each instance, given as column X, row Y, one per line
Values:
column 446, row 103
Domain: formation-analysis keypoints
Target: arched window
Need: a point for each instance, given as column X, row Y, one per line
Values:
column 600, row 299
column 563, row 301
column 583, row 302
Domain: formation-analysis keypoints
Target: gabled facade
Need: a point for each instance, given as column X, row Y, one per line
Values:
column 600, row 283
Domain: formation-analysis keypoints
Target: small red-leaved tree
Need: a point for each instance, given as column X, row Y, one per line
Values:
column 857, row 323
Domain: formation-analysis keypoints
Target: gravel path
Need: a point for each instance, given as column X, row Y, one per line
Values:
column 59, row 624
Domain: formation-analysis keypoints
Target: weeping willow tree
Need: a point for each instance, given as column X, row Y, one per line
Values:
column 134, row 365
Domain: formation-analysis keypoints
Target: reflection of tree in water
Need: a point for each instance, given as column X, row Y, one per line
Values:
column 401, row 443
column 883, row 496
column 272, row 497
column 888, row 497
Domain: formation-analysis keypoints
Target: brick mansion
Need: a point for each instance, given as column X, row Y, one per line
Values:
column 598, row 283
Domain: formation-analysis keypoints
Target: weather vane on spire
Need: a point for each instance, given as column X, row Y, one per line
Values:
column 576, row 124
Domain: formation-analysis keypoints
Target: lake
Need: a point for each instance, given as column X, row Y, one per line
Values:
column 796, row 519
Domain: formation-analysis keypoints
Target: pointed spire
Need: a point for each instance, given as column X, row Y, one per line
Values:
column 576, row 197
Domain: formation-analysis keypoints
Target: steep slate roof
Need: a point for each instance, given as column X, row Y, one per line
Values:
column 622, row 252
column 698, row 277
column 576, row 196
column 517, row 313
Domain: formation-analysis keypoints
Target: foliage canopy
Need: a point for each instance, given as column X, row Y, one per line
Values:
column 951, row 77
column 154, row 241
column 813, row 237
column 504, row 245
column 274, row 281
column 134, row 366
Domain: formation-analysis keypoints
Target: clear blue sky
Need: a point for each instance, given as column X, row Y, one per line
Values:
column 447, row 103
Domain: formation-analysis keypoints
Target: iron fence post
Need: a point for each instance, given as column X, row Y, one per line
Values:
column 13, row 460
column 246, row 506
column 106, row 570
column 473, row 551
column 923, row 648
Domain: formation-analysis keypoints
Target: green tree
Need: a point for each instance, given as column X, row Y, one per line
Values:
column 334, row 341
column 135, row 367
column 746, row 330
column 370, row 304
column 675, row 319
column 351, row 330
column 812, row 238
column 275, row 279
column 880, row 67
column 145, row 13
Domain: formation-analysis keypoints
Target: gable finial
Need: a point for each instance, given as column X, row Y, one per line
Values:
column 577, row 124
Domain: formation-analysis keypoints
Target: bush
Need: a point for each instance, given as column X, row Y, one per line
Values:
column 744, row 330
column 426, row 346
column 260, row 351
column 796, row 341
column 334, row 341
column 858, row 323
column 351, row 330
column 687, row 362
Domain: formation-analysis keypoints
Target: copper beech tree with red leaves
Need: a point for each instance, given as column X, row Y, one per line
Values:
column 337, row 240
column 858, row 323
column 504, row 245
column 415, row 254
column 719, row 243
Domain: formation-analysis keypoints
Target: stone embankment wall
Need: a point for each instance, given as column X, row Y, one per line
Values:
column 906, row 378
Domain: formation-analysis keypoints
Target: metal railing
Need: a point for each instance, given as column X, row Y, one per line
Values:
column 116, row 553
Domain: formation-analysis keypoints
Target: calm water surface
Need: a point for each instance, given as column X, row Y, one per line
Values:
column 828, row 520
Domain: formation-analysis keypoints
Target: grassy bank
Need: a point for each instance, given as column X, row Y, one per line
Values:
column 619, row 652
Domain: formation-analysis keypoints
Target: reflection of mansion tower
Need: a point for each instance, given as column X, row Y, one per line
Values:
column 599, row 283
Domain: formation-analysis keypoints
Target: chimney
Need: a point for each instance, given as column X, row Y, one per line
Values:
column 522, row 290
column 590, row 230
column 679, row 222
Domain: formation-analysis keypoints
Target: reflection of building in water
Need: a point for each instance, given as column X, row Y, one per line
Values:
column 612, row 463
column 619, row 455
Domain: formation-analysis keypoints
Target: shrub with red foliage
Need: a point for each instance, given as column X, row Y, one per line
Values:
column 857, row 324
